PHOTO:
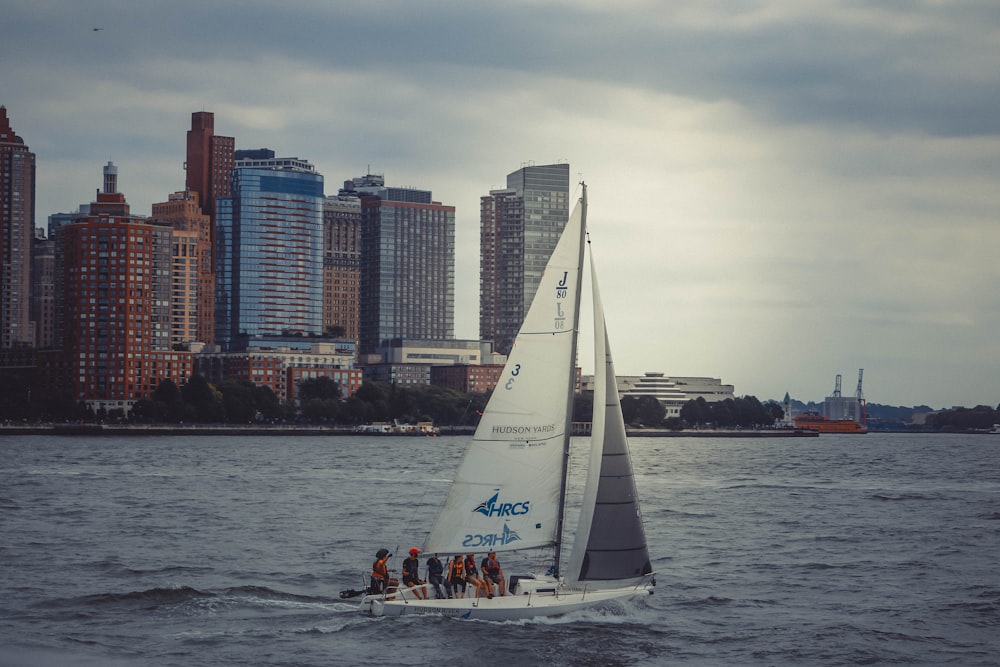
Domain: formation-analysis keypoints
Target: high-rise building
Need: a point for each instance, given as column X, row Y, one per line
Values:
column 519, row 228
column 192, row 289
column 269, row 252
column 342, row 266
column 113, row 282
column 209, row 165
column 43, row 290
column 17, row 230
column 210, row 161
column 407, row 264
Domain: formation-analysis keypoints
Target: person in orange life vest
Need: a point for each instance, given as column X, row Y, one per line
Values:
column 380, row 572
column 456, row 577
column 411, row 574
column 472, row 576
column 492, row 572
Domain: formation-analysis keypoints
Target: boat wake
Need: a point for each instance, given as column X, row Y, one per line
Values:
column 189, row 599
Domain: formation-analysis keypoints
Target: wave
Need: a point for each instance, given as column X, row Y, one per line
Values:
column 168, row 597
column 710, row 601
column 905, row 496
column 118, row 568
column 154, row 597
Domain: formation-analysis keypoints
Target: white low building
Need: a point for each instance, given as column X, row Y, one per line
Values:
column 671, row 392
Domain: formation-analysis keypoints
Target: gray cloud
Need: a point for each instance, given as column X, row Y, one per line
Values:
column 784, row 190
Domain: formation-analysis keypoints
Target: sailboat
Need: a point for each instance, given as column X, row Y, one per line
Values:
column 509, row 493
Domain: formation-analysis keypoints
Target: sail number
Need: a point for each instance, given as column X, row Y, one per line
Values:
column 513, row 374
column 562, row 291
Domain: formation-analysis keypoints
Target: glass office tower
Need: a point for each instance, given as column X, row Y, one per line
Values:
column 519, row 228
column 269, row 251
column 407, row 264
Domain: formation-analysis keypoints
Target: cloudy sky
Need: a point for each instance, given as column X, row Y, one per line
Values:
column 781, row 191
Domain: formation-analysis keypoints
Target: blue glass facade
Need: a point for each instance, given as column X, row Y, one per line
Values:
column 269, row 254
column 407, row 272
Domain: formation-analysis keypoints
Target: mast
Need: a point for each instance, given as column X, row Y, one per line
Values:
column 568, row 430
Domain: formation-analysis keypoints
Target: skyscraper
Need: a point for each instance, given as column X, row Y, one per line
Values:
column 519, row 227
column 342, row 265
column 209, row 165
column 407, row 264
column 17, row 230
column 112, row 277
column 43, row 290
column 192, row 290
column 210, row 160
column 269, row 251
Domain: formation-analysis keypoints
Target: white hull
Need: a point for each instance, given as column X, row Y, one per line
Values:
column 548, row 602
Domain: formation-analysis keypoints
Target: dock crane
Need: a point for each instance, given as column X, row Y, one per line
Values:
column 861, row 398
column 862, row 404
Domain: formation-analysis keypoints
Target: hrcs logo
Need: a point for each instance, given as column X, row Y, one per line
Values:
column 491, row 540
column 491, row 508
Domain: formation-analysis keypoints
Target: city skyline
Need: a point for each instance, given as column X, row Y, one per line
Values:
column 787, row 192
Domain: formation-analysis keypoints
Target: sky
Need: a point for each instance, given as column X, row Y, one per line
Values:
column 780, row 191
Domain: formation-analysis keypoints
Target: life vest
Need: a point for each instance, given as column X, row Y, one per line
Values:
column 380, row 570
column 490, row 565
column 457, row 569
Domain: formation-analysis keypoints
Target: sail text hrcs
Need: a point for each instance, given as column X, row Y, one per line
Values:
column 491, row 507
column 490, row 539
column 538, row 429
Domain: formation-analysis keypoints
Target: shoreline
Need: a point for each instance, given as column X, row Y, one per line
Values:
column 445, row 431
column 257, row 430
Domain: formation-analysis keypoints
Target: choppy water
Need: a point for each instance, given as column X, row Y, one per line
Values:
column 838, row 550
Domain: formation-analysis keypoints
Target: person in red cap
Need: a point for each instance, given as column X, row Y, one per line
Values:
column 411, row 574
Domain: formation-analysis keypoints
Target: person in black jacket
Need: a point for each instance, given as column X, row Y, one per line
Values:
column 435, row 575
column 411, row 574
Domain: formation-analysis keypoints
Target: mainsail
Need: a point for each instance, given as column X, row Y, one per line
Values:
column 610, row 542
column 506, row 493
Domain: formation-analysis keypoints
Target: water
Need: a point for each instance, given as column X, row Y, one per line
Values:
column 171, row 551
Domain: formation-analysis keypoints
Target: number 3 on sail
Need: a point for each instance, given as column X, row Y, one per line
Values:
column 513, row 374
column 509, row 492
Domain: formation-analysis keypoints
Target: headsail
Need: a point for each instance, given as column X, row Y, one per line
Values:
column 506, row 492
column 610, row 543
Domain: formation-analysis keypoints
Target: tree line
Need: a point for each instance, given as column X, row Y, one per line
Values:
column 320, row 401
column 198, row 401
column 981, row 417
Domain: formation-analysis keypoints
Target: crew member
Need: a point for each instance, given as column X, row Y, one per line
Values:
column 492, row 572
column 472, row 576
column 435, row 575
column 411, row 574
column 380, row 572
column 456, row 576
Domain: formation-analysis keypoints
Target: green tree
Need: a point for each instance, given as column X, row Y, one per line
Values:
column 205, row 399
column 376, row 395
column 167, row 402
column 630, row 409
column 238, row 400
column 322, row 388
column 695, row 412
column 650, row 412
